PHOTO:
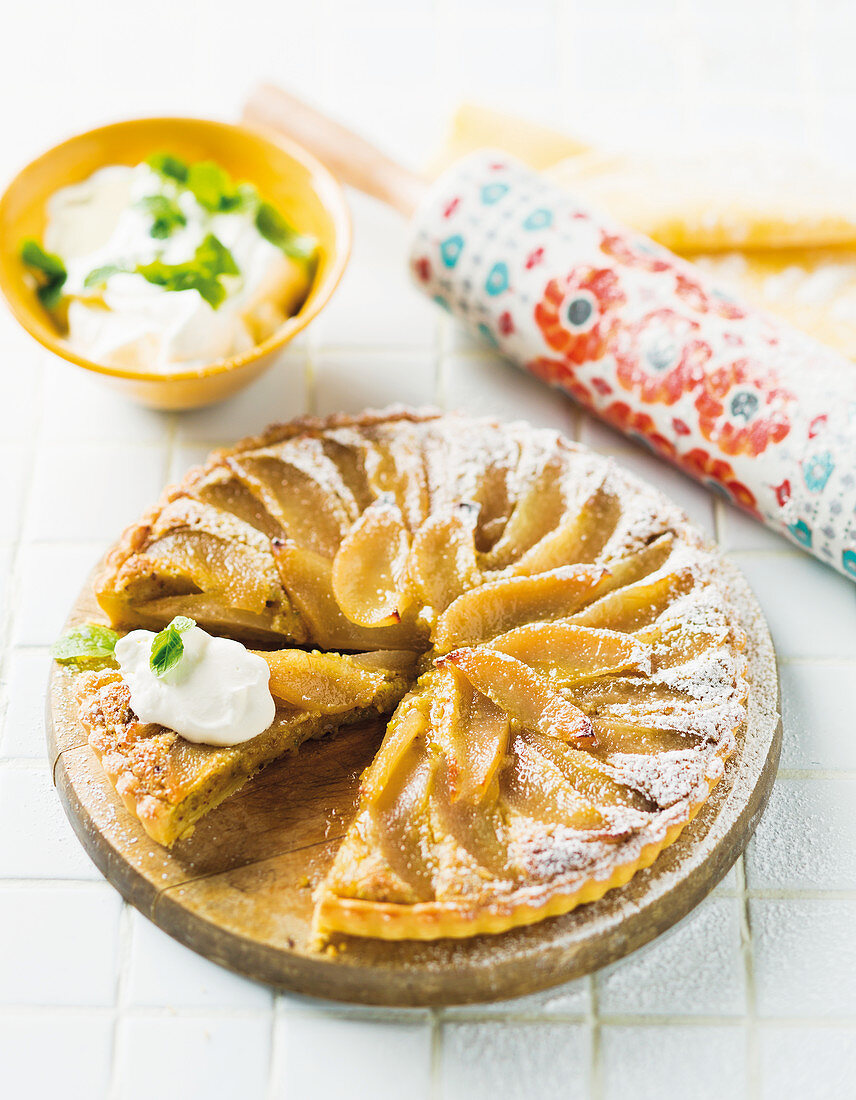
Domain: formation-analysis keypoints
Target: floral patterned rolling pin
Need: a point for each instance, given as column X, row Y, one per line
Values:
column 755, row 410
column 750, row 407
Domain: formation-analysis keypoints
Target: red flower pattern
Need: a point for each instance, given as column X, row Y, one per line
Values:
column 578, row 314
column 716, row 472
column 690, row 290
column 741, row 411
column 639, row 424
column 632, row 255
column 560, row 373
column 661, row 357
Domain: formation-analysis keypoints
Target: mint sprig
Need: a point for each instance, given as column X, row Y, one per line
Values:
column 49, row 271
column 89, row 645
column 167, row 647
column 211, row 260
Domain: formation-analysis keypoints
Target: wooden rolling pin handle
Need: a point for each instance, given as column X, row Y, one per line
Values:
column 350, row 158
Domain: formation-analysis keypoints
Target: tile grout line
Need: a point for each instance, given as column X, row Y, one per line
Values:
column 273, row 1054
column 751, row 1021
column 435, row 1084
column 119, row 1014
column 595, row 1040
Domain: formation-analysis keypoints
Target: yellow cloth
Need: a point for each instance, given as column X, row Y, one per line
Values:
column 793, row 220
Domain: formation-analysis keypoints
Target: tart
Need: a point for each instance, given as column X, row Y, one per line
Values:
column 558, row 646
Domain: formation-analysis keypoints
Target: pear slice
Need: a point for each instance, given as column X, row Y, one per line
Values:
column 591, row 695
column 621, row 735
column 478, row 829
column 542, row 506
column 443, row 561
column 223, row 489
column 395, row 466
column 471, row 731
column 632, row 567
column 631, row 608
column 499, row 606
column 570, row 654
column 370, row 568
column 409, row 722
column 303, row 492
column 347, row 449
column 588, row 776
column 400, row 816
column 323, row 683
column 308, row 579
column 580, row 539
column 535, row 787
column 522, row 694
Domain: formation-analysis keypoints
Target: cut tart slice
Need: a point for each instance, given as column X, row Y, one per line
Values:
column 169, row 783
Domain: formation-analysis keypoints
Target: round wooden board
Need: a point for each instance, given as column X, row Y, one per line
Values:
column 239, row 890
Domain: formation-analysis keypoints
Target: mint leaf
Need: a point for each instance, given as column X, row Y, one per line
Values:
column 167, row 215
column 210, row 260
column 49, row 270
column 87, row 645
column 274, row 228
column 213, row 255
column 167, row 647
column 213, row 187
column 165, row 164
column 98, row 276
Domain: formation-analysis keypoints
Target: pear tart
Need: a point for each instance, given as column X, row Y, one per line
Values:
column 558, row 644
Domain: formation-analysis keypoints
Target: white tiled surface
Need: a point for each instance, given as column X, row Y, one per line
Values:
column 754, row 994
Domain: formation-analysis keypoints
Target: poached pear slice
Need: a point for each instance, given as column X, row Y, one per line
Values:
column 570, row 654
column 501, row 605
column 588, row 776
column 631, row 608
column 535, row 787
column 369, row 573
column 409, row 722
column 471, row 731
column 304, row 493
column 540, row 509
column 443, row 562
column 308, row 579
column 321, row 683
column 580, row 539
column 522, row 694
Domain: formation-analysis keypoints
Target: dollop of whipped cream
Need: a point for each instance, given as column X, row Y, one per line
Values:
column 217, row 694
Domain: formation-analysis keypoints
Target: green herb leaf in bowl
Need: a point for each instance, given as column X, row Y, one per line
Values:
column 49, row 271
column 167, row 647
column 86, row 646
column 98, row 276
column 213, row 187
column 168, row 166
column 210, row 261
column 166, row 214
column 274, row 228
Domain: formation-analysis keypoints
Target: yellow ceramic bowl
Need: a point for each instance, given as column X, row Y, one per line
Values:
column 285, row 175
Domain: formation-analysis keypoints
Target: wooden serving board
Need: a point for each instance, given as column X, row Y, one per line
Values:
column 239, row 891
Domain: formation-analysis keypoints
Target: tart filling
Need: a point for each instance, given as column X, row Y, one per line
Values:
column 567, row 680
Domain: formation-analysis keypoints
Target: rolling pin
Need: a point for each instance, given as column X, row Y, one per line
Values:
column 752, row 408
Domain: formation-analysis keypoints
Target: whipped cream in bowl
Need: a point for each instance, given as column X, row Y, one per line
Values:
column 215, row 693
column 167, row 265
